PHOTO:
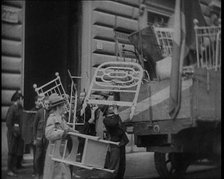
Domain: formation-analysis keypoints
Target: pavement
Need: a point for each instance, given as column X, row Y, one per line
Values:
column 26, row 173
column 139, row 165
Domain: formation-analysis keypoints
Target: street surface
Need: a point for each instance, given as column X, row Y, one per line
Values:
column 140, row 165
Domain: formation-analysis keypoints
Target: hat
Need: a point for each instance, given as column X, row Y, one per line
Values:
column 16, row 96
column 55, row 100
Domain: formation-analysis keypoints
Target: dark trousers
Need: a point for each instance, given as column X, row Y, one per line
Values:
column 116, row 160
column 40, row 153
column 12, row 159
column 19, row 160
column 15, row 153
column 34, row 157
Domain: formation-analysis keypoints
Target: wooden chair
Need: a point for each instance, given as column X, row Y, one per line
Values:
column 94, row 153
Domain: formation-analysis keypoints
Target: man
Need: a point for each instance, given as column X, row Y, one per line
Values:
column 39, row 138
column 116, row 160
column 14, row 137
column 38, row 104
column 89, row 123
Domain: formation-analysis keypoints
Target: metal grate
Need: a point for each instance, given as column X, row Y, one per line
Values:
column 121, row 39
column 208, row 46
column 164, row 38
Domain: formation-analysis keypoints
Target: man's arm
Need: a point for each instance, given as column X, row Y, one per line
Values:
column 9, row 118
column 35, row 123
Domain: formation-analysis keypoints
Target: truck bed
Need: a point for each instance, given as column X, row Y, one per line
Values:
column 153, row 101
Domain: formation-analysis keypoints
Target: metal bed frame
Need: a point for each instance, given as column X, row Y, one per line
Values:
column 54, row 86
column 116, row 77
column 208, row 46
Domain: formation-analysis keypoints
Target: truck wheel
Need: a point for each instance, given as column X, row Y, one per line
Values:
column 171, row 165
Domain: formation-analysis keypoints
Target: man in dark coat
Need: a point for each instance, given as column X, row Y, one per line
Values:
column 14, row 137
column 116, row 160
column 38, row 105
column 39, row 138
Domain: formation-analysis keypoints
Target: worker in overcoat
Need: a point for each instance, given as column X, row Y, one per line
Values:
column 14, row 134
column 56, row 129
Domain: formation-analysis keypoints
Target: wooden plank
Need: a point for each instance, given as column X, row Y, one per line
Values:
column 153, row 102
column 162, row 5
column 73, row 163
column 96, row 154
column 97, row 59
column 124, row 23
column 101, row 32
column 8, row 10
column 11, row 31
column 100, row 58
column 103, row 18
column 108, row 47
column 206, row 93
column 131, row 2
column 11, row 81
column 119, row 103
column 14, row 3
column 6, row 96
column 116, row 8
column 113, row 20
column 12, row 48
column 11, row 64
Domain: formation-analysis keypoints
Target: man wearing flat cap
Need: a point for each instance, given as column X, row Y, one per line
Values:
column 56, row 129
column 14, row 137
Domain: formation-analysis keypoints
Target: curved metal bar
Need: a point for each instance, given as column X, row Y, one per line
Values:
column 116, row 77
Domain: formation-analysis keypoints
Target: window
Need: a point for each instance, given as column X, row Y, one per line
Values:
column 156, row 19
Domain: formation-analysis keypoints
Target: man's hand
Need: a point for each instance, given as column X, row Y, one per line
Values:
column 91, row 120
column 73, row 130
column 35, row 142
column 65, row 134
column 94, row 108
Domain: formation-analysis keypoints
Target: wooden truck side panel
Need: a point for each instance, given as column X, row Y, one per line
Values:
column 206, row 95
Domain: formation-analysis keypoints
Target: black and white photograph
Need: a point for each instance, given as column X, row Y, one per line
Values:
column 111, row 89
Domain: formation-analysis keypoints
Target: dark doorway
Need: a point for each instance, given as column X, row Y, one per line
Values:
column 51, row 44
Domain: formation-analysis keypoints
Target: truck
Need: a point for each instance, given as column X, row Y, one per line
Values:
column 195, row 133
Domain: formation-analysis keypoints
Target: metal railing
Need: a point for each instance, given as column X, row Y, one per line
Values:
column 164, row 38
column 54, row 86
column 208, row 46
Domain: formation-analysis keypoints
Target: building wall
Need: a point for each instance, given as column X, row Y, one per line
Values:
column 12, row 57
column 100, row 18
column 12, row 51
